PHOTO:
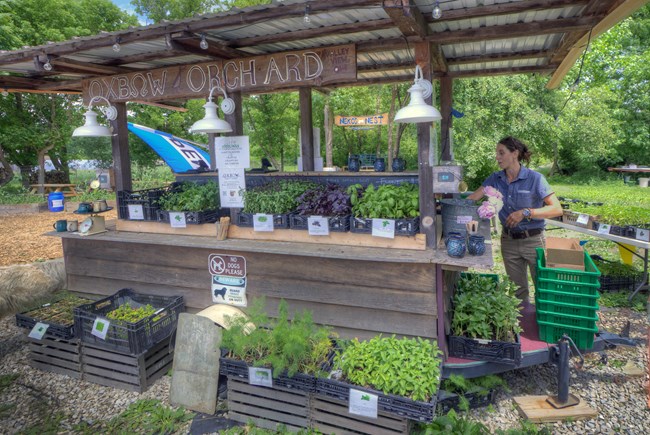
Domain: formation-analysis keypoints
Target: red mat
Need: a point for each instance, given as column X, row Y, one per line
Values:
column 529, row 339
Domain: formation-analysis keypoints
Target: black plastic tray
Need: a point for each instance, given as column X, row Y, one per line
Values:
column 299, row 381
column 482, row 350
column 403, row 227
column 336, row 223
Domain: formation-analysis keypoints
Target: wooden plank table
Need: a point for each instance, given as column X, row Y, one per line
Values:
column 67, row 189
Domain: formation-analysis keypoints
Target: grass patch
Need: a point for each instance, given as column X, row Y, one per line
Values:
column 620, row 300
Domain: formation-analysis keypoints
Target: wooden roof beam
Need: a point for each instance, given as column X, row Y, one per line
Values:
column 386, row 67
column 407, row 17
column 503, row 9
column 314, row 33
column 87, row 67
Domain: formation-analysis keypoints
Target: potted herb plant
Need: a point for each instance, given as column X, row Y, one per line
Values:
column 199, row 202
column 331, row 201
column 297, row 350
column 615, row 275
column 403, row 372
column 278, row 198
column 461, row 394
column 401, row 203
column 485, row 323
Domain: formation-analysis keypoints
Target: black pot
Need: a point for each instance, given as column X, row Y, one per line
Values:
column 353, row 164
column 380, row 164
column 399, row 164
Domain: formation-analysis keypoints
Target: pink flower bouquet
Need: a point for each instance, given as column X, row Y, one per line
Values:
column 492, row 203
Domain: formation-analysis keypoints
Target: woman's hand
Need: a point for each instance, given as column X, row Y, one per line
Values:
column 514, row 218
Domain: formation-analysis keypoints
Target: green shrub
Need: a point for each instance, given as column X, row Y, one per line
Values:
column 191, row 197
column 277, row 197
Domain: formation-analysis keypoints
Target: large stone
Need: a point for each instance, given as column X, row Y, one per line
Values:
column 195, row 373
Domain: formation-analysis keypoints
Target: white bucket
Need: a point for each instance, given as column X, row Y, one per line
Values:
column 643, row 182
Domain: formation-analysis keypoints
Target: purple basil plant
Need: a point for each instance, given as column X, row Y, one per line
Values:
column 330, row 200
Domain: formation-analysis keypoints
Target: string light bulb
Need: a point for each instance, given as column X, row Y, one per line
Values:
column 307, row 18
column 204, row 42
column 116, row 46
column 437, row 12
column 47, row 66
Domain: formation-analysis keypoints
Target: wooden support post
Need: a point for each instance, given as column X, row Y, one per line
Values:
column 236, row 119
column 446, row 89
column 120, row 143
column 306, row 130
column 425, row 173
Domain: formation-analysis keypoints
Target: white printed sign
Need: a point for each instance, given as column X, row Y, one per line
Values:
column 604, row 228
column 233, row 152
column 136, row 212
column 231, row 186
column 643, row 234
column 362, row 403
column 177, row 219
column 262, row 222
column 100, row 328
column 260, row 376
column 39, row 330
column 583, row 219
column 383, row 228
column 463, row 219
column 318, row 226
column 228, row 279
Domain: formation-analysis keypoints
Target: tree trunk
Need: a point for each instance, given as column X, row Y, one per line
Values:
column 555, row 167
column 7, row 172
column 391, row 114
column 329, row 126
column 378, row 109
column 41, row 167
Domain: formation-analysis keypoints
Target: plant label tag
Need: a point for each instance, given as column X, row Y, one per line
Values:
column 100, row 328
column 136, row 212
column 38, row 331
column 383, row 228
column 363, row 403
column 177, row 219
column 604, row 229
column 643, row 234
column 262, row 222
column 318, row 226
column 583, row 219
column 463, row 219
column 260, row 376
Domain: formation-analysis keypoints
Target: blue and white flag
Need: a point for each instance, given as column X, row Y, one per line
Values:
column 178, row 153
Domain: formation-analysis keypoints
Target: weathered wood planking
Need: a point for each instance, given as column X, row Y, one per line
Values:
column 56, row 356
column 361, row 298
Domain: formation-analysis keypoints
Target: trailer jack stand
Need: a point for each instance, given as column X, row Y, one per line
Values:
column 563, row 398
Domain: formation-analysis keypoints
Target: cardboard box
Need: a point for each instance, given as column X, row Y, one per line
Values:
column 564, row 253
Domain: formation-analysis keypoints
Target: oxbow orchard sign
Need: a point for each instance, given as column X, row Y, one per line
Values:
column 312, row 67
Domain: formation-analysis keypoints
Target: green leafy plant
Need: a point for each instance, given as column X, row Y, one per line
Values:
column 615, row 214
column 408, row 367
column 386, row 201
column 129, row 314
column 191, row 197
column 620, row 300
column 616, row 269
column 278, row 197
column 145, row 416
column 452, row 424
column 293, row 346
column 485, row 309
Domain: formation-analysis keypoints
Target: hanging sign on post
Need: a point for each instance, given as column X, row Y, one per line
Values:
column 233, row 152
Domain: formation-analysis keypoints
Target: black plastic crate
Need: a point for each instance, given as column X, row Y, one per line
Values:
column 280, row 221
column 299, row 381
column 396, row 405
column 475, row 399
column 614, row 283
column 196, row 217
column 486, row 350
column 615, row 230
column 55, row 330
column 129, row 338
column 403, row 227
column 148, row 199
column 336, row 223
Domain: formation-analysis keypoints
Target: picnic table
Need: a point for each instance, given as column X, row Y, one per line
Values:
column 640, row 169
column 67, row 189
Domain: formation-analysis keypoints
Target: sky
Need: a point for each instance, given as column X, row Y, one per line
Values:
column 127, row 6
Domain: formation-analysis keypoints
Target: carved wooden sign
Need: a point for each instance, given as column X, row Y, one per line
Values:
column 352, row 121
column 313, row 67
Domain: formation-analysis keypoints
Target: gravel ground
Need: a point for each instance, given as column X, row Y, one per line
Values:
column 620, row 399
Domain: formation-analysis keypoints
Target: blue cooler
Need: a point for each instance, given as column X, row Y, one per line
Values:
column 55, row 201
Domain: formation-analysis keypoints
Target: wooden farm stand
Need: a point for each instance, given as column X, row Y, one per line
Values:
column 358, row 285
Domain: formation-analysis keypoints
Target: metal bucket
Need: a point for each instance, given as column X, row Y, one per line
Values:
column 458, row 212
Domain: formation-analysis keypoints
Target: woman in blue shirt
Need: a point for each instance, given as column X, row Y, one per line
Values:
column 527, row 200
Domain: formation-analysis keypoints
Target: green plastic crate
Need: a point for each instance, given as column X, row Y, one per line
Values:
column 541, row 304
column 575, row 288
column 587, row 301
column 589, row 276
column 588, row 322
column 551, row 333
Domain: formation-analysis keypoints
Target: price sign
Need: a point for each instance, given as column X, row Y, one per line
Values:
column 383, row 228
column 363, row 403
column 318, row 226
column 604, row 229
column 177, row 219
column 583, row 219
column 262, row 222
column 100, row 328
column 260, row 376
column 136, row 212
column 38, row 331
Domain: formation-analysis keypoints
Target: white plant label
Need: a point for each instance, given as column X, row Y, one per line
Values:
column 583, row 219
column 177, row 219
column 318, row 226
column 262, row 222
column 643, row 234
column 260, row 376
column 383, row 228
column 38, row 331
column 604, row 228
column 100, row 328
column 363, row 403
column 463, row 219
column 136, row 212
